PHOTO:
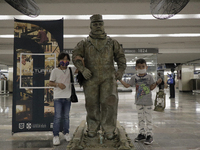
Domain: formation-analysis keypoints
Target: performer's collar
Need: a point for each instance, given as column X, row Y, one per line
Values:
column 98, row 36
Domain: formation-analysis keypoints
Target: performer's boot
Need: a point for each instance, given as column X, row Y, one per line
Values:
column 109, row 136
column 91, row 134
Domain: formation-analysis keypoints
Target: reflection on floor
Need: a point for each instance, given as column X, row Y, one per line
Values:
column 177, row 128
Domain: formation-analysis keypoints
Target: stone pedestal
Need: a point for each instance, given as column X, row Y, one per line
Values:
column 81, row 141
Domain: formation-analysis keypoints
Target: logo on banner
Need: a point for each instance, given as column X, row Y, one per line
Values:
column 51, row 125
column 21, row 125
column 28, row 126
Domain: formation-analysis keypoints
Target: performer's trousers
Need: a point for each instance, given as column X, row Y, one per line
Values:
column 101, row 104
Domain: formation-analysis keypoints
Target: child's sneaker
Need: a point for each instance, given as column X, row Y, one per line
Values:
column 140, row 137
column 149, row 140
column 56, row 140
column 67, row 137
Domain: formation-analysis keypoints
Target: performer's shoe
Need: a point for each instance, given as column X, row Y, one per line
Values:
column 91, row 134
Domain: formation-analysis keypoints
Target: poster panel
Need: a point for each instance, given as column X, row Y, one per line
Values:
column 36, row 47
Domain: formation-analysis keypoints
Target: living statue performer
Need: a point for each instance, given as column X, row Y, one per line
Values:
column 98, row 53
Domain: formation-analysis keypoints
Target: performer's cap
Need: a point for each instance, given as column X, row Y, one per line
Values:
column 96, row 18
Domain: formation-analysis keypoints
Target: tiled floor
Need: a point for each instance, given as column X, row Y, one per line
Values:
column 177, row 128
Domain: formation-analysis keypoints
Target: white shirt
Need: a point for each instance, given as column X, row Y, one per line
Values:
column 62, row 76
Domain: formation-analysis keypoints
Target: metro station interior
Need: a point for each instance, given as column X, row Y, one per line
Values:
column 165, row 45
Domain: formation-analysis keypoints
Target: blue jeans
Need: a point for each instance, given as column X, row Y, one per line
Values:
column 61, row 105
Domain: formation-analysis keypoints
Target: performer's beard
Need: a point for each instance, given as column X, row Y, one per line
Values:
column 98, row 36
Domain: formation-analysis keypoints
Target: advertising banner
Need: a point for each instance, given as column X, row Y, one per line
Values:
column 36, row 47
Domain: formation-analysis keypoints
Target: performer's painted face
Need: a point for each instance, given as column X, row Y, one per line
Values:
column 97, row 27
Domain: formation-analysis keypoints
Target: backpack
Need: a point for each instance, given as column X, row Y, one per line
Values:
column 170, row 81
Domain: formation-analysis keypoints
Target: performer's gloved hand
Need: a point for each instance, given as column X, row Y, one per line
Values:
column 118, row 75
column 86, row 73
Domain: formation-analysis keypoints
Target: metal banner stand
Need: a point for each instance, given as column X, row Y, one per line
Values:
column 3, row 87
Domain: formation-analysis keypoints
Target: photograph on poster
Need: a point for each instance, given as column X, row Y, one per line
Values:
column 26, row 81
column 37, row 34
column 48, row 94
column 26, row 94
column 26, row 63
column 23, row 112
column 48, row 111
column 27, row 71
column 48, row 101
column 49, row 65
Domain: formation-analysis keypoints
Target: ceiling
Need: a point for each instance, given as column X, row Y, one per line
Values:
column 171, row 49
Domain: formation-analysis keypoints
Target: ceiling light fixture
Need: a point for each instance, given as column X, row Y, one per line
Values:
column 105, row 17
column 124, row 35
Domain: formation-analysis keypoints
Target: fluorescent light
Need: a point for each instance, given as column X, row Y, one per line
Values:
column 157, row 35
column 4, row 70
column 7, row 36
column 124, row 35
column 133, row 63
column 184, row 35
column 139, row 35
column 75, row 36
column 186, row 16
column 135, row 35
column 105, row 17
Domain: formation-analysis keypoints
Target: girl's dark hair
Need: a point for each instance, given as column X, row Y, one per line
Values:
column 140, row 61
column 62, row 56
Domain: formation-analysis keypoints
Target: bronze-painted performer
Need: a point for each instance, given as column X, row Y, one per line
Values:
column 99, row 52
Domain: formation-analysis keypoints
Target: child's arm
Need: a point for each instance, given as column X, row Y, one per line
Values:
column 125, row 84
column 152, row 87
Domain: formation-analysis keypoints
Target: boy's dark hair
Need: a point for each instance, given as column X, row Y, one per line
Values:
column 140, row 61
column 62, row 55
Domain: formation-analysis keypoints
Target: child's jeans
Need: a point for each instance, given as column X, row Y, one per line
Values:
column 62, row 109
column 145, row 119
